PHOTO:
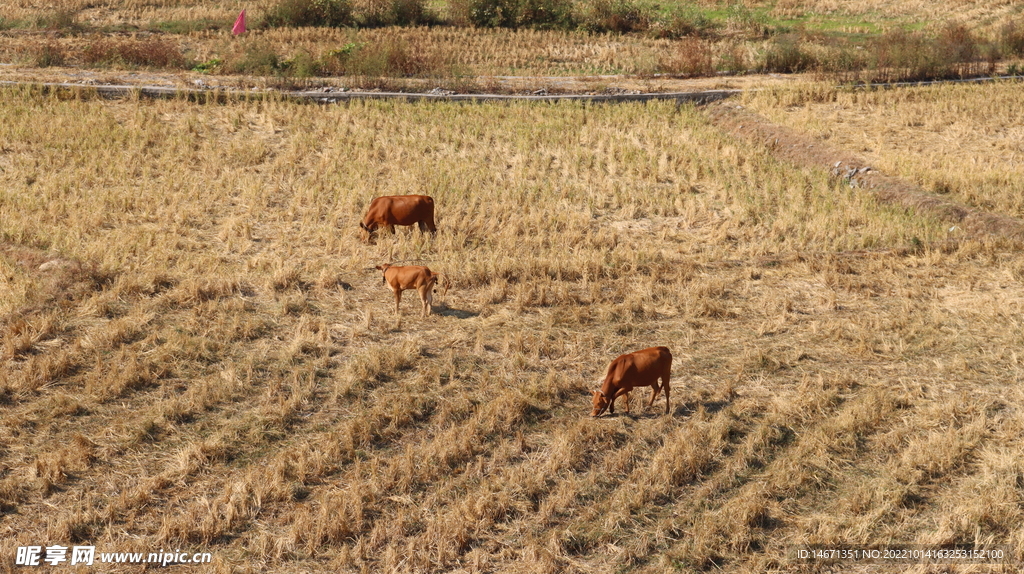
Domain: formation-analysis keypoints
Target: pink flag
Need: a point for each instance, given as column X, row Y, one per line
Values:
column 239, row 27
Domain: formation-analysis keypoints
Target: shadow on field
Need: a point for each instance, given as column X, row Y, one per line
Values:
column 684, row 410
column 688, row 408
column 457, row 313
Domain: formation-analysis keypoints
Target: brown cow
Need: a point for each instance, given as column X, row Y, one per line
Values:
column 411, row 277
column 393, row 210
column 636, row 369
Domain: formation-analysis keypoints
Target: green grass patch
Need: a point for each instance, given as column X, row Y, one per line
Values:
column 207, row 66
column 10, row 24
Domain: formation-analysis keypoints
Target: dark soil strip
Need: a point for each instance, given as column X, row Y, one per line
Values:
column 802, row 150
column 330, row 95
column 219, row 95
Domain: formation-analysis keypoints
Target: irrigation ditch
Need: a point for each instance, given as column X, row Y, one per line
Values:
column 332, row 95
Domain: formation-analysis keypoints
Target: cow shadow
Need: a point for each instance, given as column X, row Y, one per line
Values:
column 688, row 408
column 636, row 416
column 678, row 410
column 453, row 312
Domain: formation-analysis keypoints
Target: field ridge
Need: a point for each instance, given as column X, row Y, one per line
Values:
column 806, row 151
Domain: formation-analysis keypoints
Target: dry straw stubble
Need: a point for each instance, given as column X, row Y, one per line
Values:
column 256, row 408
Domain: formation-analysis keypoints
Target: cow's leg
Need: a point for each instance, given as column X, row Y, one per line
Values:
column 620, row 393
column 398, row 299
column 427, row 297
column 664, row 384
column 655, row 389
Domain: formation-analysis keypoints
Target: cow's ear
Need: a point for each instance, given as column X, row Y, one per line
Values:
column 381, row 267
column 595, row 393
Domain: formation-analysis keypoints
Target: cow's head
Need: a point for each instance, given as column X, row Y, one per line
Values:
column 384, row 269
column 600, row 403
column 367, row 230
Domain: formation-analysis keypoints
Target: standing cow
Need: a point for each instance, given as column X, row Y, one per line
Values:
column 636, row 369
column 393, row 210
column 411, row 277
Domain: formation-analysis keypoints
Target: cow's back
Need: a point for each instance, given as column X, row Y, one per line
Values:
column 640, row 368
column 651, row 358
column 410, row 277
column 421, row 210
column 410, row 209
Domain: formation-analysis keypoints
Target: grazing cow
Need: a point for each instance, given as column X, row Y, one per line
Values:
column 393, row 210
column 411, row 277
column 636, row 369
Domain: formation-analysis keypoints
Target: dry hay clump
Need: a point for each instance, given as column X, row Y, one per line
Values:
column 238, row 383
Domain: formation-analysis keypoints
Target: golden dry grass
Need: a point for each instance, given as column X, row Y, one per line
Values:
column 957, row 140
column 914, row 11
column 445, row 52
column 833, row 36
column 140, row 12
column 212, row 365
